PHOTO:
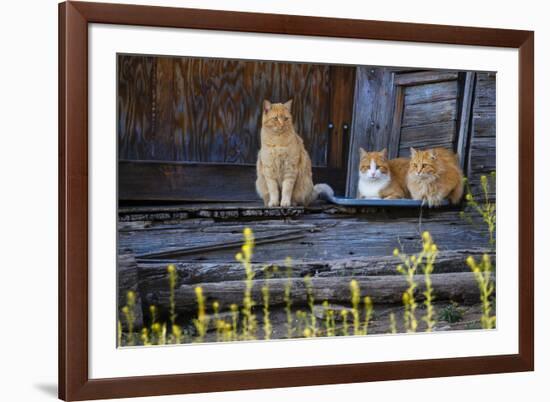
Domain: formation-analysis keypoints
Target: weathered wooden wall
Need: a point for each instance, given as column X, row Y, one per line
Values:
column 207, row 110
column 429, row 115
column 398, row 109
column 175, row 110
column 482, row 157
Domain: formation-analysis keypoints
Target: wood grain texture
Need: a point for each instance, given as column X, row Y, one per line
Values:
column 424, row 136
column 342, row 83
column 433, row 92
column 152, row 274
column 136, row 91
column 425, row 77
column 426, row 113
column 372, row 117
column 384, row 289
column 328, row 234
column 482, row 151
column 467, row 87
column 209, row 110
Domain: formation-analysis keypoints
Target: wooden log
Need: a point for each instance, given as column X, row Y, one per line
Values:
column 152, row 275
column 127, row 274
column 388, row 289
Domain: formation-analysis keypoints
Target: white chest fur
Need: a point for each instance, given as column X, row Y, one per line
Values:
column 371, row 188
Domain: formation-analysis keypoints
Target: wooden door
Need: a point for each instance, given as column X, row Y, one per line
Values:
column 187, row 126
column 399, row 109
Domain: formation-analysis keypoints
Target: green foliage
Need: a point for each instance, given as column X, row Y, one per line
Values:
column 483, row 207
column 483, row 274
column 409, row 267
column 451, row 313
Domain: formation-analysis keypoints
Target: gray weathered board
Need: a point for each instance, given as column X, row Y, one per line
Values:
column 330, row 243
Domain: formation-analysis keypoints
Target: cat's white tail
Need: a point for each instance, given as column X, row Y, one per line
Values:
column 322, row 190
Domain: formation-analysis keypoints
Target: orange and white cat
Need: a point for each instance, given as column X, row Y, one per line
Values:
column 434, row 175
column 380, row 177
column 284, row 166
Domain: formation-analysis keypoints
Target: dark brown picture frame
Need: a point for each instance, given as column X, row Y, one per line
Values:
column 74, row 381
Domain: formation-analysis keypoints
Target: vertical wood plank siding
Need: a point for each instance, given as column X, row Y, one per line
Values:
column 403, row 109
column 187, row 109
column 482, row 156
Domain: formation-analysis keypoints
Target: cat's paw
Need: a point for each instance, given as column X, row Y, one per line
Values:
column 434, row 202
column 285, row 203
column 273, row 204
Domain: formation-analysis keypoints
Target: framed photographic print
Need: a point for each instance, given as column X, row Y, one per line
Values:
column 256, row 201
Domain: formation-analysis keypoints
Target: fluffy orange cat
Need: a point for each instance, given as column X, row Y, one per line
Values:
column 380, row 177
column 284, row 166
column 434, row 175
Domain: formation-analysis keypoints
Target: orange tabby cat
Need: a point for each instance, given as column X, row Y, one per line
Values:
column 380, row 177
column 434, row 175
column 284, row 166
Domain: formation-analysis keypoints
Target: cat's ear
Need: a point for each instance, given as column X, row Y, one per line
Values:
column 413, row 152
column 362, row 151
column 384, row 153
column 267, row 106
column 288, row 105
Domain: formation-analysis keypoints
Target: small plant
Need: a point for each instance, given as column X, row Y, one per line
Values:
column 172, row 279
column 393, row 324
column 130, row 316
column 201, row 322
column 409, row 302
column 220, row 324
column 177, row 335
column 451, row 313
column 145, row 337
column 288, row 299
column 245, row 258
column 159, row 333
column 355, row 299
column 234, row 321
column 409, row 267
column 119, row 333
column 483, row 274
column 344, row 314
column 429, row 254
column 301, row 318
column 367, row 301
column 329, row 319
column 267, row 323
column 311, row 305
column 485, row 208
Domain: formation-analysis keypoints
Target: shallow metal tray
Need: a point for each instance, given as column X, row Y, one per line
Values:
column 376, row 202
